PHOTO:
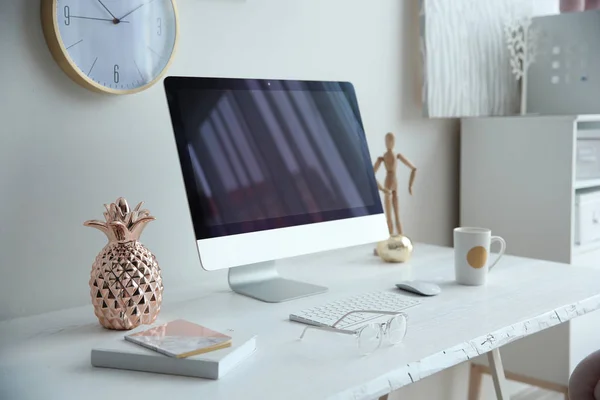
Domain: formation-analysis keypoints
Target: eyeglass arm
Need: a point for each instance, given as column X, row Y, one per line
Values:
column 327, row 329
column 368, row 312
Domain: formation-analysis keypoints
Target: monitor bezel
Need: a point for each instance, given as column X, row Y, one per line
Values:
column 172, row 84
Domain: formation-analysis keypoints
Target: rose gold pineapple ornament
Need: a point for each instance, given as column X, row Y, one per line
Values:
column 125, row 284
column 398, row 248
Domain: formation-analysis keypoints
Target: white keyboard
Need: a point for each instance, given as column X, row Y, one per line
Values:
column 328, row 314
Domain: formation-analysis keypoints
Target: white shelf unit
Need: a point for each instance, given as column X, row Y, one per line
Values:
column 587, row 183
column 518, row 179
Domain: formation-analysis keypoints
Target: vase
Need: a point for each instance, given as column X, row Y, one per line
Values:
column 125, row 283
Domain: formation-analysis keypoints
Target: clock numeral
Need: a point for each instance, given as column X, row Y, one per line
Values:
column 67, row 12
column 159, row 27
column 116, row 73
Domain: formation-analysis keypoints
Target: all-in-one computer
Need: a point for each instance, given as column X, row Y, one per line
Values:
column 273, row 169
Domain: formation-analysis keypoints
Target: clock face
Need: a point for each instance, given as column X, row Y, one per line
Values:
column 120, row 46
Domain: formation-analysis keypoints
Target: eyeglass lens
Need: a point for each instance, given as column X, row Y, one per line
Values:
column 369, row 338
column 396, row 329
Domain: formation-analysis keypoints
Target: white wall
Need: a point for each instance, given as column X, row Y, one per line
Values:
column 65, row 151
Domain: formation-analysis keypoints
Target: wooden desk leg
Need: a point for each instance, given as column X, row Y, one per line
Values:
column 498, row 374
column 475, row 377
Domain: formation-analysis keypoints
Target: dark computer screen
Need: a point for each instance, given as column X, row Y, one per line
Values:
column 259, row 154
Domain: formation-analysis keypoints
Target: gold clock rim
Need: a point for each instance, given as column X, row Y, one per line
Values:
column 61, row 55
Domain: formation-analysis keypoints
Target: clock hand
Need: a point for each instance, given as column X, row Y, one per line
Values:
column 135, row 9
column 115, row 19
column 97, row 19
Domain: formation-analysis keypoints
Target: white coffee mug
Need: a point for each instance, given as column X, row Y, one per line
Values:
column 471, row 254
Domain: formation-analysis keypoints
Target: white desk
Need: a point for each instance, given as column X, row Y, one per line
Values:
column 48, row 356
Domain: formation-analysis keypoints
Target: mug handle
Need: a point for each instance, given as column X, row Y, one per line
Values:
column 500, row 253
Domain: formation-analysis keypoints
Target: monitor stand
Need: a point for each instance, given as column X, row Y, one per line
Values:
column 262, row 282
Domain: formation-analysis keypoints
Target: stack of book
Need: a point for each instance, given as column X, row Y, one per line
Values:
column 179, row 348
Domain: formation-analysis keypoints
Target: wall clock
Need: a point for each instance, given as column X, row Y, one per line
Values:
column 111, row 46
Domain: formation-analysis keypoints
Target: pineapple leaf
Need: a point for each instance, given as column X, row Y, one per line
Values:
column 113, row 212
column 95, row 223
column 122, row 206
column 140, row 204
column 129, row 219
column 120, row 230
column 138, row 227
column 144, row 213
column 135, row 215
column 98, row 225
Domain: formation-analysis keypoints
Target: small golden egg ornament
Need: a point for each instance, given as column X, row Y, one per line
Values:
column 396, row 249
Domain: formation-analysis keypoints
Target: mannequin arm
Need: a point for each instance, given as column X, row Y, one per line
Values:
column 406, row 162
column 413, row 172
column 375, row 169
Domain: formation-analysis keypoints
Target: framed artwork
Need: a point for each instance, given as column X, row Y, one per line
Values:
column 473, row 53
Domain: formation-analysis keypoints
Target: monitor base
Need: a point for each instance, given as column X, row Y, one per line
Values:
column 261, row 281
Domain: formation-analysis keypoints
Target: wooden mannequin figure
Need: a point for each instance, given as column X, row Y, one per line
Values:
column 390, row 187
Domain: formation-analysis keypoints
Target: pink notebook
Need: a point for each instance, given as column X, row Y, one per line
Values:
column 180, row 338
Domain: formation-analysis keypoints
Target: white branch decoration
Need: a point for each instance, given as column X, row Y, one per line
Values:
column 522, row 43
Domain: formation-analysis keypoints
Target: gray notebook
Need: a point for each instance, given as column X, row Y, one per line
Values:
column 212, row 365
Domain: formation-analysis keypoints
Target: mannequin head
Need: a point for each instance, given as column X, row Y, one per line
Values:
column 390, row 141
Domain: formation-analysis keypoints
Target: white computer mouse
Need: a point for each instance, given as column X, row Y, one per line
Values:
column 419, row 287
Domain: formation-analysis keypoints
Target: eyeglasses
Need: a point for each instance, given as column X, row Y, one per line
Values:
column 370, row 336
